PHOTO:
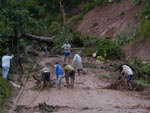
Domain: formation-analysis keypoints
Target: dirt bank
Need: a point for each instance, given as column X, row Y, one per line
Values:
column 109, row 20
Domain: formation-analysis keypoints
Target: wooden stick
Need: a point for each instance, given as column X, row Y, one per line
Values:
column 18, row 96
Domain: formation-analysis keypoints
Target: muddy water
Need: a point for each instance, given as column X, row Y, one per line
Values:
column 86, row 97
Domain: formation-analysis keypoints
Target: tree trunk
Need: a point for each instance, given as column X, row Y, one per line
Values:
column 62, row 14
column 17, row 39
column 39, row 38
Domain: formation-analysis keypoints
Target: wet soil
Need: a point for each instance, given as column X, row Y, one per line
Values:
column 88, row 96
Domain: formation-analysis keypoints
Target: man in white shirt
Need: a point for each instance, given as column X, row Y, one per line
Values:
column 78, row 63
column 67, row 48
column 6, row 65
column 128, row 75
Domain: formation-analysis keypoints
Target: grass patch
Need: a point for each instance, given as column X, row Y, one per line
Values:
column 143, row 82
column 5, row 92
column 122, row 14
column 103, row 76
column 145, row 28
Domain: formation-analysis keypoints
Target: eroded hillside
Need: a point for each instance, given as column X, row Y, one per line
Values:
column 110, row 20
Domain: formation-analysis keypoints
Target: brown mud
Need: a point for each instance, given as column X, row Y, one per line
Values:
column 88, row 96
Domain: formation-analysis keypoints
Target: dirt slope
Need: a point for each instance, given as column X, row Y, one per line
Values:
column 108, row 21
column 138, row 48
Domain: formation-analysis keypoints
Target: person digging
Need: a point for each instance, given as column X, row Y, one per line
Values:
column 45, row 72
column 127, row 72
column 77, row 62
column 69, row 75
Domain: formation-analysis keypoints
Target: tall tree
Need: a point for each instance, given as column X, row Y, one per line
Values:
column 15, row 19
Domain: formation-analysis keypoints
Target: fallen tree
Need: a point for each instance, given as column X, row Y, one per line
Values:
column 39, row 38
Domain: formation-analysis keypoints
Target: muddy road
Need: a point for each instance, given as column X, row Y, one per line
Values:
column 87, row 96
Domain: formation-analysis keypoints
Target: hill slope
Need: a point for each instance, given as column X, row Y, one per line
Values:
column 108, row 21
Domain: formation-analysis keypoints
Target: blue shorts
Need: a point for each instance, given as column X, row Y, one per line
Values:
column 67, row 54
column 129, row 77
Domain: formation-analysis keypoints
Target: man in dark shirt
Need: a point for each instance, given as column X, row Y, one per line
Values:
column 20, row 62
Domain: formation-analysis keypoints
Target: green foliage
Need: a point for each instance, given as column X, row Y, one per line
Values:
column 61, row 34
column 88, row 6
column 145, row 28
column 145, row 24
column 71, row 4
column 143, row 82
column 143, row 68
column 5, row 91
column 74, row 37
column 75, row 19
column 103, row 76
column 101, row 2
column 145, row 14
column 137, row 62
column 90, row 43
column 100, row 58
column 48, row 7
column 116, row 1
column 108, row 49
column 14, row 14
column 123, row 38
column 147, row 3
column 89, row 52
column 122, row 14
column 146, row 71
column 137, row 2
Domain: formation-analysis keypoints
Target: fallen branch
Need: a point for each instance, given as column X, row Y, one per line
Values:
column 39, row 38
column 80, row 48
column 18, row 96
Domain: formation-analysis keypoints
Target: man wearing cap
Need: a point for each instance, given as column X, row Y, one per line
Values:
column 45, row 76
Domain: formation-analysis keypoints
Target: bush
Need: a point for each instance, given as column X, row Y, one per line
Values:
column 147, row 3
column 145, row 28
column 145, row 13
column 143, row 68
column 87, row 7
column 146, row 71
column 5, row 91
column 137, row 2
column 90, row 45
column 108, row 49
column 101, row 2
column 123, row 38
column 100, row 58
